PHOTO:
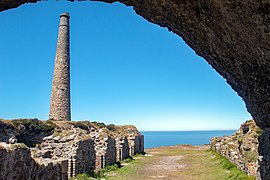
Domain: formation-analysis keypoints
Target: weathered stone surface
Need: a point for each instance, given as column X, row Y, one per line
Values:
column 60, row 97
column 241, row 148
column 105, row 148
column 122, row 148
column 264, row 154
column 85, row 156
column 12, row 140
column 28, row 131
column 68, row 147
column 17, row 163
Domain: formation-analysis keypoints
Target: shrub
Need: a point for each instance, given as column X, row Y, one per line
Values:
column 111, row 127
column 127, row 160
column 81, row 124
column 112, row 167
column 34, row 125
column 98, row 124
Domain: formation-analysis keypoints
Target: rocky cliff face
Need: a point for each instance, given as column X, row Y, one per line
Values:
column 241, row 148
column 58, row 150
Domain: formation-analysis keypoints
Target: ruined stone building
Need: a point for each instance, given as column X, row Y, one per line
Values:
column 57, row 150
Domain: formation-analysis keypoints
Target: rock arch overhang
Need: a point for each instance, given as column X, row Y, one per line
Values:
column 232, row 36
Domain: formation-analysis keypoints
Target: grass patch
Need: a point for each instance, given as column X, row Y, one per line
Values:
column 34, row 125
column 234, row 172
column 33, row 130
column 99, row 124
column 198, row 164
column 251, row 156
column 99, row 174
column 82, row 124
column 109, row 168
column 128, row 160
column 83, row 176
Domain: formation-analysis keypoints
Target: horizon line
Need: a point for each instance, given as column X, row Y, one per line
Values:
column 188, row 130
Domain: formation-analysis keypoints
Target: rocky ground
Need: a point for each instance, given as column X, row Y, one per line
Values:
column 183, row 162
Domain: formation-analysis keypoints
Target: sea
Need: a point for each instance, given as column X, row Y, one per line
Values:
column 169, row 138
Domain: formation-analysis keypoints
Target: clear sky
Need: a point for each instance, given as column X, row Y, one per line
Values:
column 124, row 70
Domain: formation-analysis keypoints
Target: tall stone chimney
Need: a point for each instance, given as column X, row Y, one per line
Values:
column 60, row 97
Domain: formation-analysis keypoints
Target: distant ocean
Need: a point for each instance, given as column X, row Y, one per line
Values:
column 169, row 138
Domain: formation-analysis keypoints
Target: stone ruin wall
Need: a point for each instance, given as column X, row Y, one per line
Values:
column 71, row 149
column 122, row 148
column 241, row 148
column 105, row 152
column 84, row 159
column 17, row 163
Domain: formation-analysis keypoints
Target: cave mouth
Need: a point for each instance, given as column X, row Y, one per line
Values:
column 137, row 55
column 218, row 31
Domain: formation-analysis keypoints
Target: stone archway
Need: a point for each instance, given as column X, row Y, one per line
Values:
column 232, row 36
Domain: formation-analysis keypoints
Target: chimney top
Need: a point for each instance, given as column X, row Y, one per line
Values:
column 65, row 14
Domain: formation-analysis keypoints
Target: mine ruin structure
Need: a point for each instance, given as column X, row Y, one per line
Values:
column 60, row 97
column 58, row 150
column 232, row 36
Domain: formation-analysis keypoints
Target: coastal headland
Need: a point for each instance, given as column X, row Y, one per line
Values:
column 34, row 149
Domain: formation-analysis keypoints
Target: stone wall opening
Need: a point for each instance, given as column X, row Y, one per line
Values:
column 231, row 36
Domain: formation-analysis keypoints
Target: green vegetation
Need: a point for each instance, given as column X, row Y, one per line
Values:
column 18, row 145
column 251, row 156
column 100, row 174
column 190, row 163
column 128, row 160
column 111, row 127
column 33, row 130
column 258, row 131
column 109, row 168
column 82, row 177
column 82, row 124
column 198, row 164
column 34, row 125
column 240, row 140
column 234, row 172
column 98, row 124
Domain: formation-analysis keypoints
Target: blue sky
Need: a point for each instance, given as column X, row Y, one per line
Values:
column 124, row 70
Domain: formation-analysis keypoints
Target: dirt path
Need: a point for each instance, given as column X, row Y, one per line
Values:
column 165, row 166
column 183, row 162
